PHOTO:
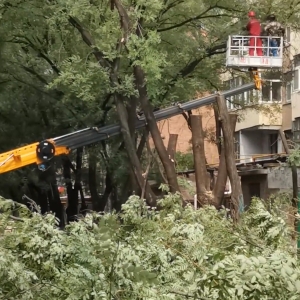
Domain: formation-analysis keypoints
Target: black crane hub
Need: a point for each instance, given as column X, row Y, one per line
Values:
column 45, row 151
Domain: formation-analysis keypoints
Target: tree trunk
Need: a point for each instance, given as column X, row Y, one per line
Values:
column 153, row 128
column 236, row 194
column 131, row 113
column 142, row 143
column 218, row 128
column 172, row 146
column 199, row 159
column 139, row 152
column 49, row 190
column 78, row 185
column 220, row 184
column 72, row 195
column 98, row 203
column 131, row 151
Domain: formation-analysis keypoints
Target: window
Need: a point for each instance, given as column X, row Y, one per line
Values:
column 288, row 91
column 238, row 101
column 296, row 130
column 296, row 80
column 273, row 142
column 296, row 124
column 296, row 73
column 271, row 91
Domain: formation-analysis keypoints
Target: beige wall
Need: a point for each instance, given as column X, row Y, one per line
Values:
column 178, row 125
column 287, row 116
column 266, row 115
column 295, row 41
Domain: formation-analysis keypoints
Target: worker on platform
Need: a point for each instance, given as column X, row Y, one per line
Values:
column 274, row 29
column 254, row 29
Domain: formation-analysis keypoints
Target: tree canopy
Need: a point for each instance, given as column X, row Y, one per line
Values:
column 66, row 65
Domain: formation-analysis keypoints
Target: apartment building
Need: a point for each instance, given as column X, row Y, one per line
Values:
column 276, row 106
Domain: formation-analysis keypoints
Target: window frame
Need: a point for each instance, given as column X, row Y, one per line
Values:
column 272, row 81
column 245, row 98
column 296, row 68
column 288, row 87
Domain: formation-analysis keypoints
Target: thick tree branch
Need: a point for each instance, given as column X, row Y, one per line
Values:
column 87, row 38
column 200, row 16
column 168, row 7
column 189, row 68
column 29, row 43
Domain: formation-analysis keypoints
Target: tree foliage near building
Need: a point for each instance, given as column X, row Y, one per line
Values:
column 174, row 253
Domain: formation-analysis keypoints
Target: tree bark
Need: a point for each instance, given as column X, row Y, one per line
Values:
column 139, row 152
column 78, row 185
column 236, row 194
column 199, row 159
column 218, row 128
column 98, row 202
column 220, row 184
column 172, row 146
column 72, row 195
column 131, row 151
column 153, row 128
column 142, row 143
column 131, row 113
column 49, row 189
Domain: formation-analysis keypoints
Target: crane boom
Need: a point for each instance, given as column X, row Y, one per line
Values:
column 41, row 153
column 38, row 153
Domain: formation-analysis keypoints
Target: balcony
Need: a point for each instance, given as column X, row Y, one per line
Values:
column 257, row 109
column 257, row 144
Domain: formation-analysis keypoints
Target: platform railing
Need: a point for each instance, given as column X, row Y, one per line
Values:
column 264, row 52
column 240, row 45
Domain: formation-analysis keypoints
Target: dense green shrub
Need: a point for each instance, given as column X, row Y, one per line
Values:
column 174, row 253
column 184, row 161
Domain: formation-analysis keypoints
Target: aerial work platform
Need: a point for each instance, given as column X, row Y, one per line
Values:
column 238, row 46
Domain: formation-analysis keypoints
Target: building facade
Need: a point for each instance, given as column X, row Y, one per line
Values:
column 276, row 106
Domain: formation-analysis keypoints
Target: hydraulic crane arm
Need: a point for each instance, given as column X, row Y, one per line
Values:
column 36, row 153
column 41, row 153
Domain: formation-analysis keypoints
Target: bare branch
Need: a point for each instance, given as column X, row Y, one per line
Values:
column 16, row 219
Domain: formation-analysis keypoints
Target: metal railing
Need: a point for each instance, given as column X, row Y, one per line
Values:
column 269, row 45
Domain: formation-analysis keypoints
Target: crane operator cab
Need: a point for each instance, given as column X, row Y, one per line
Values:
column 240, row 55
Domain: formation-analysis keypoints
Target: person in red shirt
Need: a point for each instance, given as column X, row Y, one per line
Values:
column 254, row 30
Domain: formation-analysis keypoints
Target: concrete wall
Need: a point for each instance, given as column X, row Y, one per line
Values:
column 281, row 178
column 287, row 116
column 295, row 41
column 267, row 115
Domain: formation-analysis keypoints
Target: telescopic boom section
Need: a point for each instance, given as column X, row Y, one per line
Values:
column 36, row 153
column 41, row 153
